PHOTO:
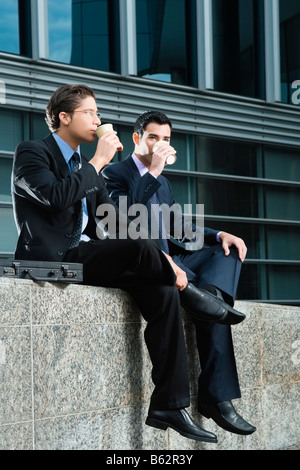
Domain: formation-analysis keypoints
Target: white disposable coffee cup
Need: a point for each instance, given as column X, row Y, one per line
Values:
column 101, row 130
column 171, row 158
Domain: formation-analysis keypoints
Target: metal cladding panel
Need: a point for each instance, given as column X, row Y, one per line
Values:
column 29, row 84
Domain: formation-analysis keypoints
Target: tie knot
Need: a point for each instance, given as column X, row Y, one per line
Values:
column 76, row 161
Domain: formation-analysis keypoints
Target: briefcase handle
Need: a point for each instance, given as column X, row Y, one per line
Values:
column 48, row 278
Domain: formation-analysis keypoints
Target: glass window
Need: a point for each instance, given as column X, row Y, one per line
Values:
column 246, row 199
column 60, row 30
column 283, row 282
column 239, row 47
column 263, row 281
column 225, row 156
column 8, row 231
column 290, row 59
column 166, row 40
column 39, row 128
column 181, row 144
column 282, row 242
column 269, row 282
column 183, row 190
column 11, row 124
column 125, row 136
column 253, row 234
column 9, row 26
column 85, row 33
column 5, row 179
column 227, row 198
column 281, row 164
column 282, row 203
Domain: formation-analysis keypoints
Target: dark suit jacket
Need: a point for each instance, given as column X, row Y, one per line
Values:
column 124, row 179
column 46, row 199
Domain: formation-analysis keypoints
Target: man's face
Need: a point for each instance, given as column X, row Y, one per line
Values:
column 153, row 133
column 84, row 121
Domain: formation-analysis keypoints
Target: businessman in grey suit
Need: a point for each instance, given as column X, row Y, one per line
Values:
column 56, row 194
column 214, row 268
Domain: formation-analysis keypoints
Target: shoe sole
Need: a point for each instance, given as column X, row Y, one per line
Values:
column 229, row 318
column 155, row 423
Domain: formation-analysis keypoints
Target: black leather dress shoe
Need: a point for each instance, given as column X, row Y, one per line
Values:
column 226, row 417
column 180, row 421
column 206, row 306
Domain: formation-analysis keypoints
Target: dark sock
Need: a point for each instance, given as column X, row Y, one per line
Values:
column 209, row 288
column 213, row 290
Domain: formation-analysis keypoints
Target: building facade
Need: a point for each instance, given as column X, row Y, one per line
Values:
column 227, row 73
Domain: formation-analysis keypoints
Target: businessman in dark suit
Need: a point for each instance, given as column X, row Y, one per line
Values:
column 56, row 195
column 214, row 268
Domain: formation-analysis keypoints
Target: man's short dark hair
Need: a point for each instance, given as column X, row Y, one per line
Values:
column 150, row 116
column 65, row 99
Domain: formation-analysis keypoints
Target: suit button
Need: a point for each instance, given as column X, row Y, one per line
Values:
column 68, row 235
column 60, row 253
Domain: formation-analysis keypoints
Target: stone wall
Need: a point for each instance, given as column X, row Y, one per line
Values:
column 75, row 373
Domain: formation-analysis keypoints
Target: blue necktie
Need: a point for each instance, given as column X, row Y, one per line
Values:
column 78, row 228
column 153, row 207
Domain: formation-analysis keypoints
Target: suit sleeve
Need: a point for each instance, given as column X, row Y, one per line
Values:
column 38, row 178
column 137, row 190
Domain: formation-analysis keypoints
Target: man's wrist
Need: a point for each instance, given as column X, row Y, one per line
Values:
column 153, row 173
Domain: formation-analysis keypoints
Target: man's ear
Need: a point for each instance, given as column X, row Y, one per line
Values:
column 64, row 118
column 136, row 138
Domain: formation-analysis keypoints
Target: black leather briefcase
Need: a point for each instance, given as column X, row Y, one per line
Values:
column 49, row 271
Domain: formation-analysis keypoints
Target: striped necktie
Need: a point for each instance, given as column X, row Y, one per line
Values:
column 75, row 159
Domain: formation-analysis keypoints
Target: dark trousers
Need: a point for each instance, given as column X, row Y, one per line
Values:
column 218, row 380
column 139, row 267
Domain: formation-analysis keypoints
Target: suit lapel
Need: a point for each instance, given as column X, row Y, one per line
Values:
column 162, row 191
column 132, row 168
column 57, row 155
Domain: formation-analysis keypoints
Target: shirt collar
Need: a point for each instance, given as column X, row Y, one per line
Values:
column 140, row 166
column 65, row 148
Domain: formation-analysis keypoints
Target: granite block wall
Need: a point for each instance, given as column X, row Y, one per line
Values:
column 75, row 373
